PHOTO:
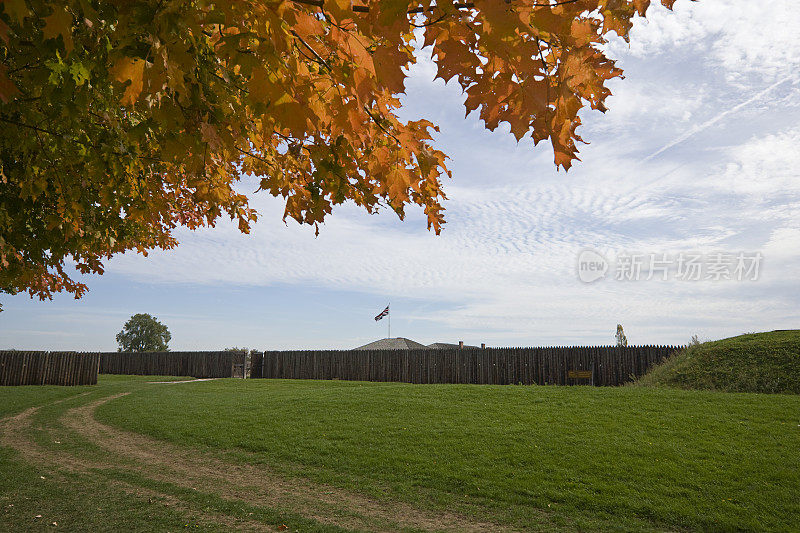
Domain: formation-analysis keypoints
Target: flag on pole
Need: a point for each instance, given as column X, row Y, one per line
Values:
column 382, row 314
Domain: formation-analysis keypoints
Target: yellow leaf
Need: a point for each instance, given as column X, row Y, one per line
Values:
column 388, row 68
column 210, row 135
column 641, row 6
column 291, row 116
column 59, row 23
column 16, row 9
column 339, row 9
column 260, row 85
column 398, row 181
column 426, row 161
column 129, row 69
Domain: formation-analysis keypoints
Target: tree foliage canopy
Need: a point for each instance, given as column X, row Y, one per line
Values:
column 124, row 119
column 143, row 333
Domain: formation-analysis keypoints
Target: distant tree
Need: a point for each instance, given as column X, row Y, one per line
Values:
column 143, row 333
column 622, row 340
column 694, row 341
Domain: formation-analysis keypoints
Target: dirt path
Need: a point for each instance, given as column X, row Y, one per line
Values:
column 14, row 433
column 252, row 484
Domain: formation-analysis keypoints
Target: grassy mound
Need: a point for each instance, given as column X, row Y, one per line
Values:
column 756, row 362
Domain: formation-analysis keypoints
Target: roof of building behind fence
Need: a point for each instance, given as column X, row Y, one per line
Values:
column 397, row 343
column 445, row 345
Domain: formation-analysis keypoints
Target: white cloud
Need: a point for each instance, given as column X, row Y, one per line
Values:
column 741, row 36
column 766, row 165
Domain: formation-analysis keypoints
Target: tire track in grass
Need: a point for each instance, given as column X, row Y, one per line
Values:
column 168, row 500
column 258, row 486
column 191, row 469
column 15, row 434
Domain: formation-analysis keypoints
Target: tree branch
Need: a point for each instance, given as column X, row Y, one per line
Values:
column 375, row 120
column 34, row 128
column 76, row 141
column 254, row 156
column 316, row 55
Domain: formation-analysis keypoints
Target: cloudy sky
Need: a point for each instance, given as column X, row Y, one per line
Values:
column 698, row 154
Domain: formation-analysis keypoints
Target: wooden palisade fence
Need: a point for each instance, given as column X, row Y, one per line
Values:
column 608, row 365
column 197, row 364
column 48, row 368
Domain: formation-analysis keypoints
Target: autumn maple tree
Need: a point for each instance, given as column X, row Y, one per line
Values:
column 123, row 119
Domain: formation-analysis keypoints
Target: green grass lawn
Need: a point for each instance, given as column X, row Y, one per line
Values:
column 539, row 458
column 38, row 496
column 530, row 458
column 33, row 496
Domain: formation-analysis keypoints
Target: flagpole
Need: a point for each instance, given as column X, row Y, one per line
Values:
column 390, row 321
